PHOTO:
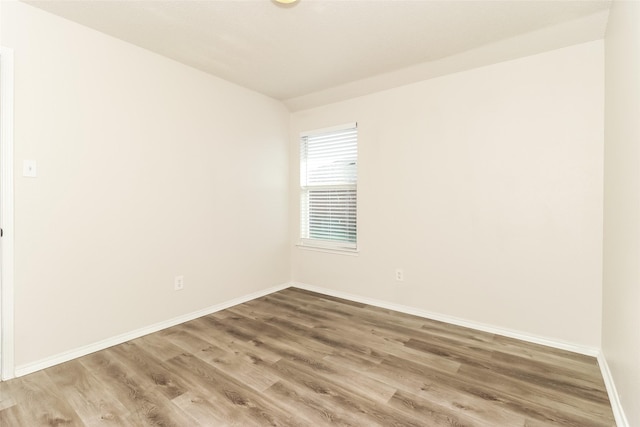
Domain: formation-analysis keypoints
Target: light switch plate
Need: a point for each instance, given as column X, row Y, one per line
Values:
column 29, row 168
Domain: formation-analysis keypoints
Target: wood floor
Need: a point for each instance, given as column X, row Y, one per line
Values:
column 305, row 359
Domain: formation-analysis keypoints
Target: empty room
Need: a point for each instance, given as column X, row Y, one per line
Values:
column 319, row 212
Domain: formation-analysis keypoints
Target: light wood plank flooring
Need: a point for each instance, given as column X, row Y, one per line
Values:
column 305, row 359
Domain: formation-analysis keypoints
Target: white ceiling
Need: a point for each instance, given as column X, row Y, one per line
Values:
column 319, row 51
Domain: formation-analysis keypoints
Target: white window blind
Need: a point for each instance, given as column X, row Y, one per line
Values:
column 328, row 182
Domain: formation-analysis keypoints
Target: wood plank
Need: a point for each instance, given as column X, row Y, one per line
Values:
column 251, row 407
column 341, row 397
column 146, row 405
column 41, row 402
column 84, row 393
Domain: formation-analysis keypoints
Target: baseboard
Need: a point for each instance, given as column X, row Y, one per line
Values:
column 616, row 405
column 576, row 348
column 119, row 339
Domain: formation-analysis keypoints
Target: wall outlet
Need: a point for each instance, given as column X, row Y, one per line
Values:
column 399, row 275
column 178, row 283
column 29, row 168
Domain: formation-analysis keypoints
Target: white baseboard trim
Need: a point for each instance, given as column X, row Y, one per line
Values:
column 549, row 342
column 614, row 399
column 119, row 339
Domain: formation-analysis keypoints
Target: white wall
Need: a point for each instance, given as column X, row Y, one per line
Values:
column 486, row 188
column 147, row 169
column 621, row 287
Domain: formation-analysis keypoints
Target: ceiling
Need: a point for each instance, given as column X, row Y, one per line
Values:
column 319, row 51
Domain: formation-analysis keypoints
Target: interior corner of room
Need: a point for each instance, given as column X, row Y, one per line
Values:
column 502, row 195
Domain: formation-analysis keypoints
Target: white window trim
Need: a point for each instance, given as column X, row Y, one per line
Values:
column 328, row 250
column 317, row 245
column 329, row 129
column 326, row 245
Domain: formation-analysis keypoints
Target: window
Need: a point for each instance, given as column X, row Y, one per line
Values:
column 328, row 187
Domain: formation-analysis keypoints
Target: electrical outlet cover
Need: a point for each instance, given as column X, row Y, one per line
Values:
column 29, row 168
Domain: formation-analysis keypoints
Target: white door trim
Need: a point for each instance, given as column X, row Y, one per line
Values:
column 7, row 369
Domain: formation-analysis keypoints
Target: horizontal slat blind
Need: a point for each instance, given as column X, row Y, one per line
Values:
column 328, row 181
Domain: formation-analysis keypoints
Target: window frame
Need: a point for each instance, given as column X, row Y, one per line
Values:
column 325, row 245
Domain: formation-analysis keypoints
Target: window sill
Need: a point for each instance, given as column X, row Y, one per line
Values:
column 345, row 251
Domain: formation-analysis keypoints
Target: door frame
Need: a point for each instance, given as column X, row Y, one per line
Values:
column 7, row 368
